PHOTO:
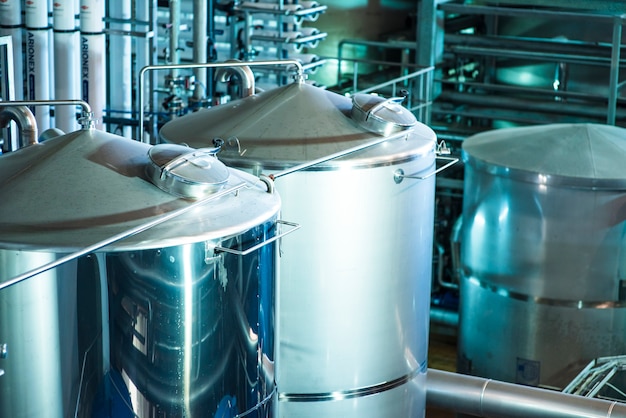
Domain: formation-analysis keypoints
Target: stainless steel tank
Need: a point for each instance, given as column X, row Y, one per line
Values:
column 542, row 252
column 355, row 284
column 187, row 276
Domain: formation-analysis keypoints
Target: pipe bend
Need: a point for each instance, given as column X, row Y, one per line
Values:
column 244, row 75
column 25, row 120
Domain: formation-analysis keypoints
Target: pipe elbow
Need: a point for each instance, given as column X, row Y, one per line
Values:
column 243, row 75
column 25, row 120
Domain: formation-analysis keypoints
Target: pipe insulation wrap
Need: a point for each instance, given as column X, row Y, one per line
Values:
column 92, row 57
column 91, row 16
column 63, row 15
column 67, row 81
column 490, row 398
column 38, row 73
column 38, row 58
column 120, row 97
column 36, row 15
column 10, row 13
column 66, row 53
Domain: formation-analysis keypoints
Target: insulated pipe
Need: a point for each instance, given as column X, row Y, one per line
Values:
column 38, row 58
column 25, row 120
column 66, row 81
column 11, row 25
column 120, row 96
column 490, row 398
column 92, row 58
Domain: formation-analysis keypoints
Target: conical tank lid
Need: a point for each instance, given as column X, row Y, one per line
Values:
column 282, row 127
column 577, row 155
column 75, row 190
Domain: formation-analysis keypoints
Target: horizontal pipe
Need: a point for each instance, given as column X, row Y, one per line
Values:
column 494, row 399
column 532, row 13
column 298, row 65
column 69, row 102
column 537, row 49
column 445, row 317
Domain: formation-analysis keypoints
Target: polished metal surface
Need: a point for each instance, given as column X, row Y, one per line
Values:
column 355, row 280
column 45, row 342
column 279, row 128
column 104, row 178
column 193, row 330
column 90, row 186
column 542, row 252
column 380, row 115
column 186, row 172
column 494, row 399
column 578, row 155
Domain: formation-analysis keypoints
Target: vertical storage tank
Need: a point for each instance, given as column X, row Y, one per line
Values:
column 355, row 283
column 543, row 252
column 191, row 299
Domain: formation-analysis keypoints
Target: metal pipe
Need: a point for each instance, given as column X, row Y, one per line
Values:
column 174, row 7
column 244, row 75
column 86, row 120
column 297, row 64
column 446, row 317
column 494, row 399
column 615, row 68
column 535, row 49
column 25, row 121
column 200, row 28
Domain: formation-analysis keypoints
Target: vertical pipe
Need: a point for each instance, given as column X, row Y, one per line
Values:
column 92, row 59
column 66, row 82
column 120, row 78
column 174, row 35
column 142, row 53
column 200, row 27
column 11, row 25
column 614, row 76
column 38, row 59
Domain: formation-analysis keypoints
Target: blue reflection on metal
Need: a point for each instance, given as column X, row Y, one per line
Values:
column 191, row 328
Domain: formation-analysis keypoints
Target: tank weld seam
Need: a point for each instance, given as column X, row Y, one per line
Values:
column 565, row 303
column 482, row 396
column 610, row 411
column 352, row 393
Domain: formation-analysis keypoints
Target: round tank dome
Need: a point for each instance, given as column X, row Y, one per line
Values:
column 576, row 155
